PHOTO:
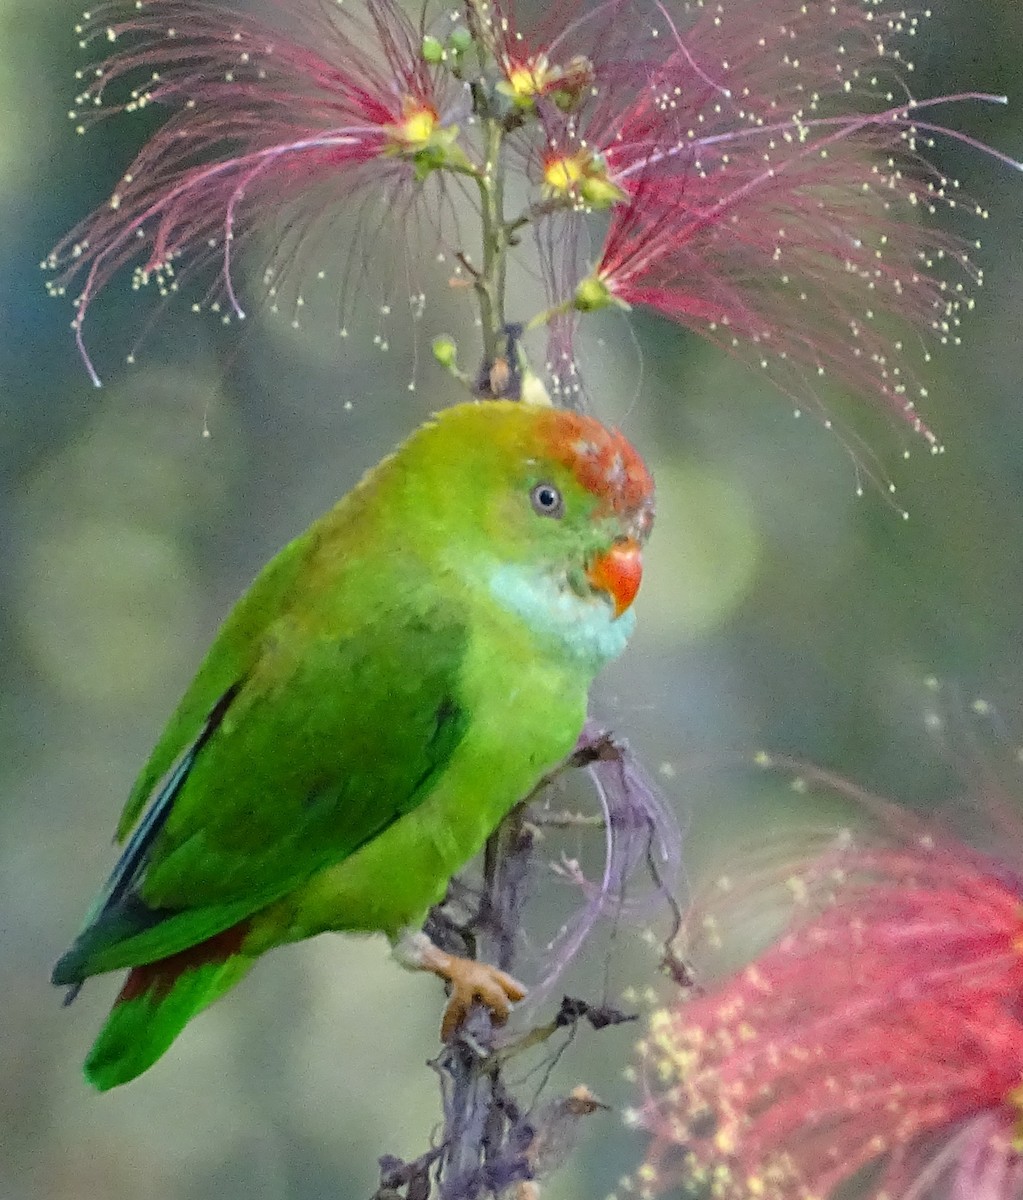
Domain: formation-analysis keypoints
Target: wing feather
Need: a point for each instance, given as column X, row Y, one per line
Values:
column 338, row 729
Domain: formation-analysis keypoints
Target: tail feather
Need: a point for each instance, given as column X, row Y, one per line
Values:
column 156, row 1003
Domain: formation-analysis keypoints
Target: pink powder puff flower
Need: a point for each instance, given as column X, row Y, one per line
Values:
column 878, row 1045
column 766, row 189
column 572, row 55
column 268, row 125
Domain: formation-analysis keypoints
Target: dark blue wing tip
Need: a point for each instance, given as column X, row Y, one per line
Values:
column 66, row 973
column 67, row 970
column 71, row 995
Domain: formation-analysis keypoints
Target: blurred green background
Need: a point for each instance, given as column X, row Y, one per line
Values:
column 781, row 610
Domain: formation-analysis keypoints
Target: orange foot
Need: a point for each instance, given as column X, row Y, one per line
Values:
column 470, row 981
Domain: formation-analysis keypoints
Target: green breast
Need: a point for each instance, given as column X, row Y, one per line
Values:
column 526, row 712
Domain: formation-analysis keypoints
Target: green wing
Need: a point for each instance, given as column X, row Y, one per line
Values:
column 337, row 727
column 232, row 656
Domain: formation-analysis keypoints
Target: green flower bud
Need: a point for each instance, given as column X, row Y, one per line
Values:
column 432, row 50
column 460, row 39
column 445, row 352
column 591, row 294
column 599, row 192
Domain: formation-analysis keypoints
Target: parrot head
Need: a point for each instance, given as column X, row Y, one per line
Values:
column 545, row 510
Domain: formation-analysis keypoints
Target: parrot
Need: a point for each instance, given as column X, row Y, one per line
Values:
column 392, row 684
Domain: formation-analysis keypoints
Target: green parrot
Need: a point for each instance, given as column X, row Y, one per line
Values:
column 390, row 686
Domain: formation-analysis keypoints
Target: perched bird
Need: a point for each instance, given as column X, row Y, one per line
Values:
column 390, row 686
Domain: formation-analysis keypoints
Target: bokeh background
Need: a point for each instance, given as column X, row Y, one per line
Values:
column 781, row 610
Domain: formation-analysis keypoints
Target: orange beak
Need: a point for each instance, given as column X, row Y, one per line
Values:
column 618, row 572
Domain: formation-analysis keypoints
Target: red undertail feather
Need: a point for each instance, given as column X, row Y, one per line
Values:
column 158, row 1000
column 157, row 979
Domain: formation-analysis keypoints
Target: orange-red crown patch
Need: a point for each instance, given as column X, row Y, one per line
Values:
column 605, row 463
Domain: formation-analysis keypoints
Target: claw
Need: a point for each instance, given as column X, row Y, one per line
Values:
column 470, row 981
column 475, row 981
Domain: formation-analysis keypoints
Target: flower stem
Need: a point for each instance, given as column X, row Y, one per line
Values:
column 490, row 281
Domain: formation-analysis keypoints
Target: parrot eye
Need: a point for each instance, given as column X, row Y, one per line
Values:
column 546, row 500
